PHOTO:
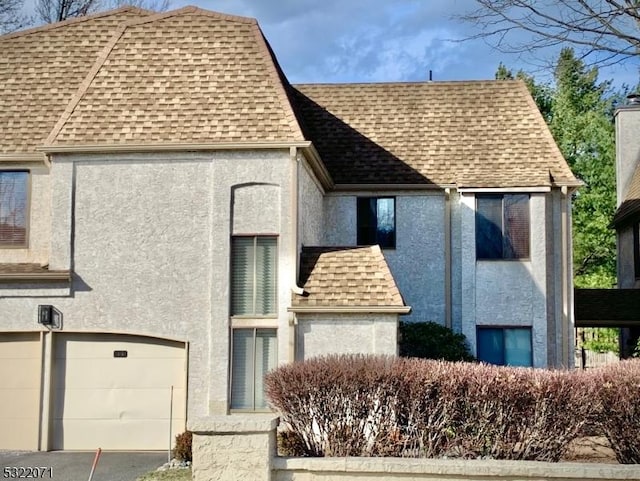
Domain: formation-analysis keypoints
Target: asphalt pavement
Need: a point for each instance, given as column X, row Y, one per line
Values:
column 76, row 465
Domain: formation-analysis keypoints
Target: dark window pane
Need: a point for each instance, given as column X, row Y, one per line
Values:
column 516, row 226
column 367, row 214
column 489, row 227
column 376, row 221
column 491, row 346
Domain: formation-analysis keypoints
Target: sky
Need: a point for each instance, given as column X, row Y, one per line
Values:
column 319, row 41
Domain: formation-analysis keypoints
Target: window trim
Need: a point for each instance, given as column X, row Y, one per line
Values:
column 395, row 228
column 232, row 316
column 502, row 196
column 253, row 369
column 27, row 213
column 503, row 328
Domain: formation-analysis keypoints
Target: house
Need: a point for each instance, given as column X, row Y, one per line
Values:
column 177, row 219
column 626, row 222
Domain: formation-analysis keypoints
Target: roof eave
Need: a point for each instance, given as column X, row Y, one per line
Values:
column 350, row 309
column 169, row 147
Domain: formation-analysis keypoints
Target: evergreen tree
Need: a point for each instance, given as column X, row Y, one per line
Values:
column 579, row 112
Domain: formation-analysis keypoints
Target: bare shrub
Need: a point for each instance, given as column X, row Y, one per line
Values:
column 617, row 392
column 384, row 406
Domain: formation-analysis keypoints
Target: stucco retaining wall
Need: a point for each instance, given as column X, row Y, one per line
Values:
column 243, row 447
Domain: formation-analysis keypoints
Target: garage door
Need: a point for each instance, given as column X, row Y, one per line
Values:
column 115, row 391
column 20, row 361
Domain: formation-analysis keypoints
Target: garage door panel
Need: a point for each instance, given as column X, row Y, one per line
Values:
column 19, row 373
column 95, row 346
column 124, row 373
column 20, row 366
column 77, row 434
column 118, row 404
column 19, row 434
column 27, row 407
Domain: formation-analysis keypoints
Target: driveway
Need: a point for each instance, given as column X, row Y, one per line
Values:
column 76, row 466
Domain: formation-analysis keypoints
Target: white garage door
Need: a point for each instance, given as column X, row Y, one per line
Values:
column 20, row 361
column 113, row 391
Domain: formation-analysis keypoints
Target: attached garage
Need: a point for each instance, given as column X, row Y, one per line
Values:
column 116, row 391
column 20, row 378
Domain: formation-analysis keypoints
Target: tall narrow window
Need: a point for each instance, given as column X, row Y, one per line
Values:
column 505, row 346
column 254, row 353
column 377, row 221
column 253, row 276
column 502, row 226
column 13, row 208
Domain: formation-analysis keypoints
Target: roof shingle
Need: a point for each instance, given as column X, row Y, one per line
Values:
column 187, row 76
column 631, row 204
column 473, row 134
column 346, row 277
column 41, row 68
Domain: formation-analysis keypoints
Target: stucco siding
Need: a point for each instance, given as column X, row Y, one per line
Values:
column 625, row 261
column 507, row 292
column 148, row 240
column 310, row 209
column 418, row 261
column 322, row 334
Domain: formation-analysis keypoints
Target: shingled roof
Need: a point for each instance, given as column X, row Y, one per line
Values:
column 186, row 76
column 473, row 134
column 346, row 277
column 192, row 77
column 630, row 207
column 41, row 68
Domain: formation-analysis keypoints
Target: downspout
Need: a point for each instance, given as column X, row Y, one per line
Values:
column 293, row 157
column 447, row 257
column 565, row 277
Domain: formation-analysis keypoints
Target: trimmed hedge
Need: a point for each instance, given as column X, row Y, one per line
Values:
column 616, row 392
column 358, row 405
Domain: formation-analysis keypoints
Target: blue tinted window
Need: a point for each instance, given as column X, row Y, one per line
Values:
column 505, row 346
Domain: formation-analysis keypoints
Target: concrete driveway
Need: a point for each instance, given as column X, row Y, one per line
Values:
column 76, row 466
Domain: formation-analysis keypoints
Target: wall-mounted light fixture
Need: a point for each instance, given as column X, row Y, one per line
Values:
column 49, row 316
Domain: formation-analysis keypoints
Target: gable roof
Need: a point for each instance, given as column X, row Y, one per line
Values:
column 182, row 77
column 40, row 69
column 346, row 277
column 630, row 206
column 473, row 134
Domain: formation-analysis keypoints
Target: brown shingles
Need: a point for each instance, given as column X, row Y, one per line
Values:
column 346, row 277
column 188, row 76
column 41, row 68
column 473, row 134
column 630, row 206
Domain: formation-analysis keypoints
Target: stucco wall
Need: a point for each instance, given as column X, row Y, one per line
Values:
column 627, row 148
column 506, row 292
column 148, row 240
column 321, row 334
column 310, row 208
column 418, row 261
column 625, row 261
